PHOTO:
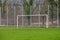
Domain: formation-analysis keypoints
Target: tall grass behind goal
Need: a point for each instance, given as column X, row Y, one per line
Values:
column 23, row 21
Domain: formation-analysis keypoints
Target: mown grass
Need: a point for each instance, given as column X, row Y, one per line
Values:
column 12, row 33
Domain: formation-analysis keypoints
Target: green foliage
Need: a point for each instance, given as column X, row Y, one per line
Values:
column 31, row 2
column 59, row 4
column 51, row 8
column 27, row 6
column 51, row 2
column 2, row 5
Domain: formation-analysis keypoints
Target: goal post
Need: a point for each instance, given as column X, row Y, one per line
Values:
column 31, row 20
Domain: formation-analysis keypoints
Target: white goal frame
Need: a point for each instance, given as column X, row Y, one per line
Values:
column 47, row 24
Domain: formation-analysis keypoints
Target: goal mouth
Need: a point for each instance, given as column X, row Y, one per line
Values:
column 24, row 21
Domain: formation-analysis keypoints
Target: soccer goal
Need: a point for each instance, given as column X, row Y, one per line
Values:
column 23, row 17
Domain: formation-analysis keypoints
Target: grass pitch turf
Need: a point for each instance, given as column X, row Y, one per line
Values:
column 29, row 33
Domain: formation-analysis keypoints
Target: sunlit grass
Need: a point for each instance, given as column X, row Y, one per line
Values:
column 29, row 33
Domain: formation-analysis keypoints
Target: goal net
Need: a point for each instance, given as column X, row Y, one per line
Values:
column 34, row 20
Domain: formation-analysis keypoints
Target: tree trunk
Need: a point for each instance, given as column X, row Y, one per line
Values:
column 43, row 20
column 52, row 19
column 28, row 20
column 52, row 14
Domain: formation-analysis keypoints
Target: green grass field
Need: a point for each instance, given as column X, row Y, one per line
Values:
column 29, row 33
